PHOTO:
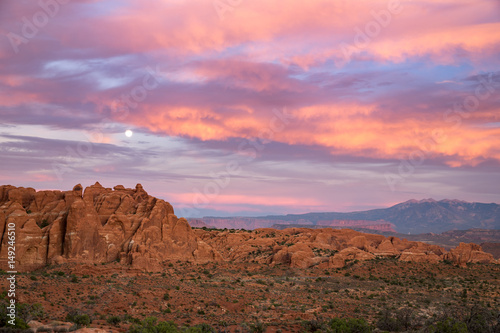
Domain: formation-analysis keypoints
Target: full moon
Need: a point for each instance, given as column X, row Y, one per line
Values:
column 129, row 133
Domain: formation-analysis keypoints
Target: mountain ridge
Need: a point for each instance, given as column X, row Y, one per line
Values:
column 412, row 216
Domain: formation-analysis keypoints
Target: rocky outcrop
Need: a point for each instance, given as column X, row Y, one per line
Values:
column 351, row 253
column 468, row 253
column 96, row 225
column 328, row 248
column 299, row 255
column 100, row 225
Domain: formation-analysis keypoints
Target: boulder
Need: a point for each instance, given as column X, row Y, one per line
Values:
column 350, row 253
column 468, row 253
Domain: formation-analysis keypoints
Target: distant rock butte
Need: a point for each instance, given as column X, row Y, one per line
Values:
column 262, row 222
column 101, row 225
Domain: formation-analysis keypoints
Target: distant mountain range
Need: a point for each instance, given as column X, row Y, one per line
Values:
column 413, row 216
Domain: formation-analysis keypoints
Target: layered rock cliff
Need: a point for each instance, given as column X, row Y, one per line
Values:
column 96, row 225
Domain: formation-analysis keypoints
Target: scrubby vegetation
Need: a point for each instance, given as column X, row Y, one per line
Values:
column 383, row 294
column 24, row 313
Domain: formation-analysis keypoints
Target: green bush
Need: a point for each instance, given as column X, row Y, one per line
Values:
column 480, row 320
column 258, row 327
column 151, row 325
column 114, row 320
column 339, row 325
column 79, row 319
column 201, row 328
column 27, row 312
column 4, row 319
column 449, row 326
column 314, row 325
column 396, row 321
column 24, row 314
column 129, row 319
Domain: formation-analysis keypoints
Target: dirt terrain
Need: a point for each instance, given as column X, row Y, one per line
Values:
column 234, row 296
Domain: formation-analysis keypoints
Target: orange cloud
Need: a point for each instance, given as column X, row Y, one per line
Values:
column 343, row 128
column 304, row 32
column 252, row 51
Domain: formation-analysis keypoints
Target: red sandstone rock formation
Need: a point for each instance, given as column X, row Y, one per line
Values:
column 468, row 253
column 328, row 248
column 95, row 226
column 127, row 225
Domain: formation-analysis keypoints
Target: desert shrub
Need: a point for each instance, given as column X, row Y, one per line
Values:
column 340, row 325
column 258, row 327
column 19, row 323
column 28, row 312
column 405, row 318
column 78, row 318
column 129, row 319
column 448, row 325
column 201, row 328
column 114, row 320
column 481, row 320
column 151, row 325
column 44, row 223
column 314, row 325
column 388, row 322
column 396, row 321
column 471, row 319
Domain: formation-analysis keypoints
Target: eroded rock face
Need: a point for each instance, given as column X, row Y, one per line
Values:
column 468, row 253
column 96, row 225
column 350, row 253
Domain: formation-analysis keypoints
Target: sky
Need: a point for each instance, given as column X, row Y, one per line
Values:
column 239, row 107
